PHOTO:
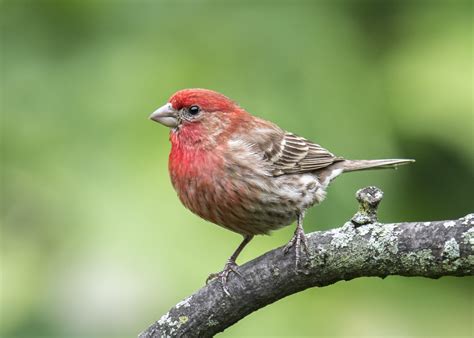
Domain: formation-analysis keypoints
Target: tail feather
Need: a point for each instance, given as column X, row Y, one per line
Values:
column 353, row 165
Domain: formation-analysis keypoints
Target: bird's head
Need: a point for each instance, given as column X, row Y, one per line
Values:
column 190, row 108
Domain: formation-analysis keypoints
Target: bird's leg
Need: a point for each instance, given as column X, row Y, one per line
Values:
column 298, row 239
column 230, row 266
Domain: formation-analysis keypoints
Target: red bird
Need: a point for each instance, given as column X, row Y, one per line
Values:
column 244, row 173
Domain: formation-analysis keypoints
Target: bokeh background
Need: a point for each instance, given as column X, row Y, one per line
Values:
column 94, row 242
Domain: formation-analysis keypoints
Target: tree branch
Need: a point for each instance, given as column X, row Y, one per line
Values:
column 361, row 247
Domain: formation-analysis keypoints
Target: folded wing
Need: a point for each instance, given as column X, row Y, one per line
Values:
column 287, row 153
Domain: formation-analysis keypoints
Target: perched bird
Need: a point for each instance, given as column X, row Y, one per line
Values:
column 244, row 173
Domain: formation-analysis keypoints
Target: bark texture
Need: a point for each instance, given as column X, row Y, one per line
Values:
column 362, row 247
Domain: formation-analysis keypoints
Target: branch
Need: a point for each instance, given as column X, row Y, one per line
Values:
column 361, row 247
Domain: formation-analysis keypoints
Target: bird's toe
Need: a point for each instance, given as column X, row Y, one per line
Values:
column 224, row 275
column 300, row 243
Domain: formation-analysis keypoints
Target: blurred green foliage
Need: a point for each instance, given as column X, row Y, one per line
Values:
column 94, row 242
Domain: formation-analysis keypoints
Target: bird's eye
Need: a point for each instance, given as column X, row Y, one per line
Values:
column 194, row 110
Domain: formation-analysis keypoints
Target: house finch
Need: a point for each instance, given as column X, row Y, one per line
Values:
column 244, row 173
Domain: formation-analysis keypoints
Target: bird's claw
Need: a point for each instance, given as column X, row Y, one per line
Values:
column 297, row 240
column 224, row 274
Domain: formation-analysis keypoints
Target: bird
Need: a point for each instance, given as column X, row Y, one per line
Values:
column 244, row 173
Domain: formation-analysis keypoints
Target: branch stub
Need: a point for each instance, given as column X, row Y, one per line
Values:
column 369, row 199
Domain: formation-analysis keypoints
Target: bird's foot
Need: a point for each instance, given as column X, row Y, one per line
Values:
column 298, row 240
column 229, row 267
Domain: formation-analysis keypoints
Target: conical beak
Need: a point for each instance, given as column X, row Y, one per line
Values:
column 166, row 115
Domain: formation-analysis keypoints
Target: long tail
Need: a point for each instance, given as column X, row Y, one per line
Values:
column 353, row 165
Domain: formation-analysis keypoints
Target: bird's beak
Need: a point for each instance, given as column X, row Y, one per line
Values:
column 166, row 115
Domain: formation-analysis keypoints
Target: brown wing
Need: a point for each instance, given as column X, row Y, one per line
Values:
column 282, row 152
column 289, row 153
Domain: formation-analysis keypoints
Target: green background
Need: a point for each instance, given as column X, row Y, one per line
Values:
column 94, row 241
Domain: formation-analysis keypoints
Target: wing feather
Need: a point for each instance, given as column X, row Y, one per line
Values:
column 292, row 154
column 284, row 152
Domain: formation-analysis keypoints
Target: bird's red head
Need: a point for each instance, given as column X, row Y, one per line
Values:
column 199, row 116
column 197, row 110
column 207, row 100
